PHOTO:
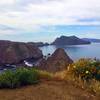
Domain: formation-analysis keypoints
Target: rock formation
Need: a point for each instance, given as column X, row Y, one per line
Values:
column 15, row 52
column 58, row 61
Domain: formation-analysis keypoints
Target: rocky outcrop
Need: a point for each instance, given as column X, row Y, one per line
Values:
column 15, row 52
column 58, row 61
column 71, row 40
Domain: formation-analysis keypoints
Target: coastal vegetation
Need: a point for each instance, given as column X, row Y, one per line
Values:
column 82, row 75
column 19, row 77
column 22, row 77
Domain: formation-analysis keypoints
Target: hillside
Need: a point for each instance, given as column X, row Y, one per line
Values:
column 17, row 52
column 71, row 40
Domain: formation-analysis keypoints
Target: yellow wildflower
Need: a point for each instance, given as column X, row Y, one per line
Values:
column 74, row 66
column 87, row 72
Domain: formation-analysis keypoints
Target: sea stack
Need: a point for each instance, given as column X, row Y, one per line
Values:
column 58, row 61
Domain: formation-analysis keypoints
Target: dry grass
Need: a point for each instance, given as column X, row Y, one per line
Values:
column 47, row 90
column 95, row 86
column 92, row 86
column 45, row 75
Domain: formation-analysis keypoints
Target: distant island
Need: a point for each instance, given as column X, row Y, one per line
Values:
column 69, row 40
column 92, row 40
column 66, row 40
column 39, row 44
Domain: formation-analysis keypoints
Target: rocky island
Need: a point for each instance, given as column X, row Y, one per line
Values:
column 69, row 40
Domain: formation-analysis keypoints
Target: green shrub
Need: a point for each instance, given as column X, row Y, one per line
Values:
column 8, row 80
column 20, row 77
column 27, row 76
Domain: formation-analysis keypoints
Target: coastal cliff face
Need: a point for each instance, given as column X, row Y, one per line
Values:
column 71, row 40
column 58, row 61
column 15, row 52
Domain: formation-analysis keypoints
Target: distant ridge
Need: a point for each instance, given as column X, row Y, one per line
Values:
column 92, row 40
column 39, row 44
column 69, row 40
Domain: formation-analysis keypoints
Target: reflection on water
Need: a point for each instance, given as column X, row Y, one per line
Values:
column 76, row 51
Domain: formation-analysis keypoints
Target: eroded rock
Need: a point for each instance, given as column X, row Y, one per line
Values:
column 58, row 61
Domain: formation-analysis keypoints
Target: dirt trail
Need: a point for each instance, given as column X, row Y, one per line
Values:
column 47, row 90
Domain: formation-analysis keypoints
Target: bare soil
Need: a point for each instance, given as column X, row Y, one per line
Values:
column 48, row 90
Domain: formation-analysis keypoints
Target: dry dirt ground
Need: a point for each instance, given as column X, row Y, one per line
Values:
column 48, row 90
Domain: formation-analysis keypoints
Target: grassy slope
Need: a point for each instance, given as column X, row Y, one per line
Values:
column 47, row 90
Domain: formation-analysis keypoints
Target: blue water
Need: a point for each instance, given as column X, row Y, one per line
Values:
column 76, row 51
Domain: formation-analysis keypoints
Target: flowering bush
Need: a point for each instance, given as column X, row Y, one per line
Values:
column 86, row 69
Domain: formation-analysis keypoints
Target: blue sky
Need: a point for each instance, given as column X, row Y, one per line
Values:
column 44, row 20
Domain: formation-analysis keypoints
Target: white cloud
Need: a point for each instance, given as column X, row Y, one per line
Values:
column 34, row 14
column 7, row 32
column 7, row 2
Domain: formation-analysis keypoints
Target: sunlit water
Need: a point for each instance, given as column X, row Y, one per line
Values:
column 76, row 51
